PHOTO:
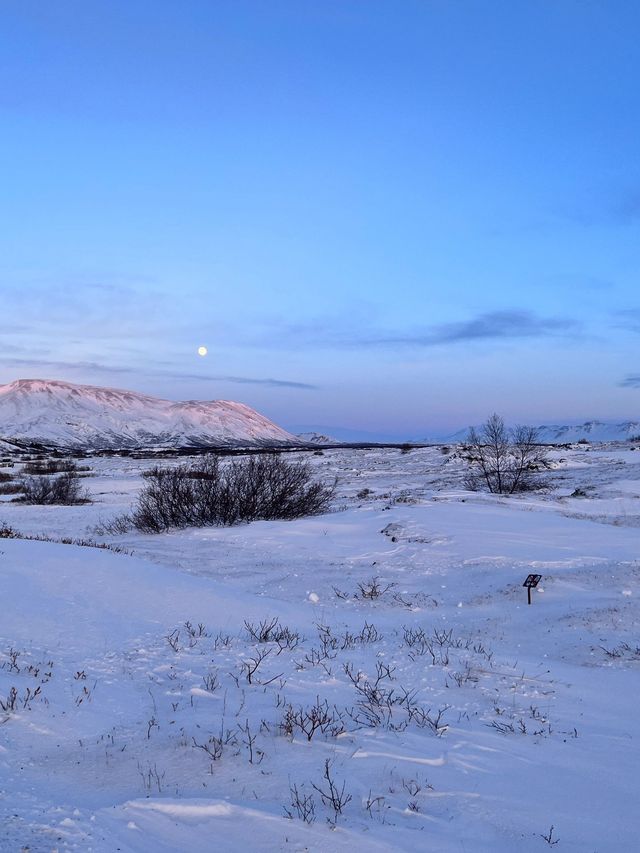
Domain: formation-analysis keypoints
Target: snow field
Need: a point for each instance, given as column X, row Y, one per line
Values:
column 191, row 695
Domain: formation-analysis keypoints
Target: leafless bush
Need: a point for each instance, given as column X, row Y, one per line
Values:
column 501, row 460
column 439, row 643
column 8, row 532
column 221, row 641
column 368, row 634
column 210, row 681
column 331, row 794
column 213, row 747
column 115, row 527
column 249, row 740
column 548, row 837
column 373, row 588
column 317, row 717
column 623, row 650
column 62, row 489
column 173, row 638
column 256, row 487
column 196, row 632
column 14, row 701
column 151, row 777
column 302, row 804
column 8, row 487
column 251, row 666
column 371, row 690
column 54, row 466
column 264, row 631
column 10, row 702
column 380, row 704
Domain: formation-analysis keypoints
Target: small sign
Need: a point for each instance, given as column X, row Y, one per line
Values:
column 531, row 582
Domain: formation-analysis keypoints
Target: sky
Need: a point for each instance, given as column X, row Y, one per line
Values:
column 389, row 216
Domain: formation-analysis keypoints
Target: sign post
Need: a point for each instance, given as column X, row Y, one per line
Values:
column 531, row 582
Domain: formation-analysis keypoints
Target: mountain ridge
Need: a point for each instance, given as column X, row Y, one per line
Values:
column 62, row 414
column 593, row 430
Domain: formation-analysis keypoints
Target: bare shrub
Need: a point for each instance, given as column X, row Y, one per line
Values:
column 503, row 461
column 332, row 795
column 251, row 665
column 115, row 526
column 317, row 717
column 548, row 837
column 8, row 485
column 53, row 466
column 264, row 631
column 302, row 804
column 9, row 488
column 209, row 493
column 373, row 588
column 62, row 489
column 271, row 631
column 213, row 747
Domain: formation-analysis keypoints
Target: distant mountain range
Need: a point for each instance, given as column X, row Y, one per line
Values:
column 87, row 417
column 337, row 434
column 589, row 431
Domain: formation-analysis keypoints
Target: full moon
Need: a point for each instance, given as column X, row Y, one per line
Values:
column 202, row 351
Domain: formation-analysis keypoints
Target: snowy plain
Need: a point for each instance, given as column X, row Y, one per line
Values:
column 456, row 717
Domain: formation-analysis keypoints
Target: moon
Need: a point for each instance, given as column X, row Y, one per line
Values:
column 202, row 351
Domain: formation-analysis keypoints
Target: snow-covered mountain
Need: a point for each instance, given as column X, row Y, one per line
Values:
column 315, row 438
column 65, row 415
column 567, row 434
column 591, row 431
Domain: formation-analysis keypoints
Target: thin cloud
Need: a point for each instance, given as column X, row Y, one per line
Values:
column 497, row 325
column 629, row 319
column 631, row 381
column 95, row 367
column 244, row 380
column 47, row 364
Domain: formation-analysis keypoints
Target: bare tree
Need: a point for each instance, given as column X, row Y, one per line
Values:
column 502, row 460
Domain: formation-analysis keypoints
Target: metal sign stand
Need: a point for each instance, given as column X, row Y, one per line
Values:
column 531, row 582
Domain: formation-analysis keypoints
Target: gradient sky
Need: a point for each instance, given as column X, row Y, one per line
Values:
column 390, row 216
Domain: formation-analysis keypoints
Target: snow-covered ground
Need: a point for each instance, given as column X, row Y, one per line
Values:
column 452, row 715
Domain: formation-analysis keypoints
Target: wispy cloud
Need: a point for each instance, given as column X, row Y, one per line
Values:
column 496, row 325
column 50, row 364
column 92, row 367
column 629, row 319
column 632, row 381
column 243, row 380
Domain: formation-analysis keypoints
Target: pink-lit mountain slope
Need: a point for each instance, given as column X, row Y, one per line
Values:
column 61, row 414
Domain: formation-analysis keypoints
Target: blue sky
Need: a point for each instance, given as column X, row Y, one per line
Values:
column 386, row 216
